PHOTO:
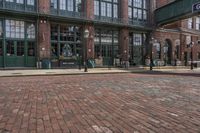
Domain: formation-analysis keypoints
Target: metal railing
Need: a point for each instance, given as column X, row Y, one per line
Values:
column 109, row 20
column 138, row 23
column 66, row 13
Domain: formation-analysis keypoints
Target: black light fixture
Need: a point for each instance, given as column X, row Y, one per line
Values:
column 151, row 54
column 86, row 36
column 190, row 45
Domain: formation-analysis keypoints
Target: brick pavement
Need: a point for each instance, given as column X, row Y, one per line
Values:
column 117, row 103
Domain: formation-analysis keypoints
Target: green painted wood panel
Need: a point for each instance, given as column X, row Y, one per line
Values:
column 31, row 61
column 13, row 61
column 174, row 11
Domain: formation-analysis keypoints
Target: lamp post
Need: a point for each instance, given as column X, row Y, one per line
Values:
column 165, row 47
column 86, row 35
column 190, row 45
column 151, row 54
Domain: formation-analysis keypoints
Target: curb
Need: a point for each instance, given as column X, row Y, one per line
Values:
column 59, row 74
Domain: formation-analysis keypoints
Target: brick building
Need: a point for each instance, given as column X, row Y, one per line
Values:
column 53, row 30
column 172, row 41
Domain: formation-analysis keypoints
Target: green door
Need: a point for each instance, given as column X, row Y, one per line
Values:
column 15, row 54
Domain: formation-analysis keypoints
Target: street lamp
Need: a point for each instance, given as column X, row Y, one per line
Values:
column 86, row 35
column 151, row 54
column 165, row 47
column 190, row 45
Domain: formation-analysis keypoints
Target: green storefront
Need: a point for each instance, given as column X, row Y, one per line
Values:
column 17, row 43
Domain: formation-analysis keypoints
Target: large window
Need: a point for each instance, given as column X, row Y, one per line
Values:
column 106, row 43
column 15, row 29
column 65, row 41
column 28, row 2
column 137, row 9
column 190, row 23
column 106, row 8
column 197, row 23
column 67, row 5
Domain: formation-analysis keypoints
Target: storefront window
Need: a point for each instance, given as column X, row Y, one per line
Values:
column 20, row 48
column 106, row 43
column 65, row 43
column 10, row 48
column 54, row 50
column 31, row 48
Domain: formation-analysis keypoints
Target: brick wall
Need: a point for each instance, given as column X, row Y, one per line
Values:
column 160, row 3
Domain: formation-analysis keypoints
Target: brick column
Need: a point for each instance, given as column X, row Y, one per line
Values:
column 89, row 14
column 124, row 44
column 44, row 6
column 44, row 46
column 90, row 41
column 89, row 8
column 124, row 32
column 124, row 10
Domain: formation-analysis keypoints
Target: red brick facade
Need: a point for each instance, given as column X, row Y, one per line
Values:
column 178, row 32
column 176, row 36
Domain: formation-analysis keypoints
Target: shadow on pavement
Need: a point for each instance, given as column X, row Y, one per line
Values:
column 169, row 73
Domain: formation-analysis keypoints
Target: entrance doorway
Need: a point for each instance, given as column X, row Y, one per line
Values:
column 136, row 49
column 168, row 52
column 107, row 54
column 19, row 54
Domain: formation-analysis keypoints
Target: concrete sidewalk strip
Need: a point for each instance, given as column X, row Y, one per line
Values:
column 5, row 73
column 44, row 72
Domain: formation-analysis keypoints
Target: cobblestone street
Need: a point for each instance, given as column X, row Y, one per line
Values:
column 109, row 103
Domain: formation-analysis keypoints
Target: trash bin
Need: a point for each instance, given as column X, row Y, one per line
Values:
column 91, row 63
column 46, row 64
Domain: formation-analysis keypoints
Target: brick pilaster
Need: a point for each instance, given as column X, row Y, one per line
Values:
column 44, row 46
column 124, row 10
column 124, row 44
column 44, row 6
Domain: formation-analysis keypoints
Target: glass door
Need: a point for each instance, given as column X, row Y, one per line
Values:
column 137, row 55
column 31, row 54
column 107, row 54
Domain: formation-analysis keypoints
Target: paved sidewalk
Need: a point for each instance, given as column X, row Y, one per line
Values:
column 45, row 72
